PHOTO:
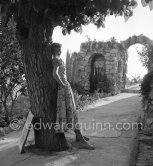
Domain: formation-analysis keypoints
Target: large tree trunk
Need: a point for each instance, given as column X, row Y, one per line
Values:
column 6, row 109
column 41, row 85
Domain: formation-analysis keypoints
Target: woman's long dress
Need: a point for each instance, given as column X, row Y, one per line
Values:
column 66, row 109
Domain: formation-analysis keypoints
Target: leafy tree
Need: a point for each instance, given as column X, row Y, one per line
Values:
column 11, row 71
column 146, row 56
column 21, row 107
column 147, row 3
column 35, row 22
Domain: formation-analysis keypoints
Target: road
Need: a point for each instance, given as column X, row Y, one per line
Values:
column 114, row 137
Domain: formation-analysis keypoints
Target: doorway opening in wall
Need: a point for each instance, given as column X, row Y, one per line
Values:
column 97, row 73
column 135, row 68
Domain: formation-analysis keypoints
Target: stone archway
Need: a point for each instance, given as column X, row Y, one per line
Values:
column 98, row 66
column 141, row 39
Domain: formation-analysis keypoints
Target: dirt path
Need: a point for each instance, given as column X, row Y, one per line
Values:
column 114, row 138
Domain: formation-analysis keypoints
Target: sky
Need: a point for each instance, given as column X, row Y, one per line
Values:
column 140, row 23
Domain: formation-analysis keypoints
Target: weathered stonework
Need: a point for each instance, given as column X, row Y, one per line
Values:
column 106, row 58
column 81, row 63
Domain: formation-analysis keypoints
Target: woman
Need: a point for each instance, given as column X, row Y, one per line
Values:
column 66, row 109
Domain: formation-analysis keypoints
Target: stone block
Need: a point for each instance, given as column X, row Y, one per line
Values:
column 107, row 55
column 113, row 54
column 114, row 51
column 108, row 62
column 113, row 59
column 108, row 67
column 113, row 62
column 107, row 50
column 108, row 58
column 109, row 76
column 112, row 71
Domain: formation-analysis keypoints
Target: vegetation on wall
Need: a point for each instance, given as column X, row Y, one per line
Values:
column 136, row 39
column 146, row 56
column 90, row 45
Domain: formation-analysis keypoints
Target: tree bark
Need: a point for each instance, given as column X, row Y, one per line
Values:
column 42, row 87
column 6, row 112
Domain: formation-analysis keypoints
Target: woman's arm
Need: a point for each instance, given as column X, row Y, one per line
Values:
column 56, row 76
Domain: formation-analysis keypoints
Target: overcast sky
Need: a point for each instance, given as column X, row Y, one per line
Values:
column 140, row 23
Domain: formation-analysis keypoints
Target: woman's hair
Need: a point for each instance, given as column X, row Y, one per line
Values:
column 55, row 47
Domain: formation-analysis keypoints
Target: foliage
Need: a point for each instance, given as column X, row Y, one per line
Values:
column 11, row 70
column 124, row 74
column 146, row 85
column 21, row 107
column 3, row 123
column 83, row 100
column 69, row 14
column 119, row 81
column 146, row 56
column 80, row 89
column 147, row 2
column 90, row 45
column 107, row 85
column 82, row 97
column 112, row 43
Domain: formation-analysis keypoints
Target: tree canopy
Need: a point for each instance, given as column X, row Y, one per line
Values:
column 69, row 14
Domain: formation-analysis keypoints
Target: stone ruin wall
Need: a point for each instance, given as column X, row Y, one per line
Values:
column 116, row 57
column 81, row 65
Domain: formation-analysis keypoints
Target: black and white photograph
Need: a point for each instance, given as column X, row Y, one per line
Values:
column 76, row 82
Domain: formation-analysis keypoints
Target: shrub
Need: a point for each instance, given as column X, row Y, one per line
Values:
column 3, row 123
column 83, row 100
column 146, row 85
column 80, row 89
column 107, row 85
column 22, row 107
